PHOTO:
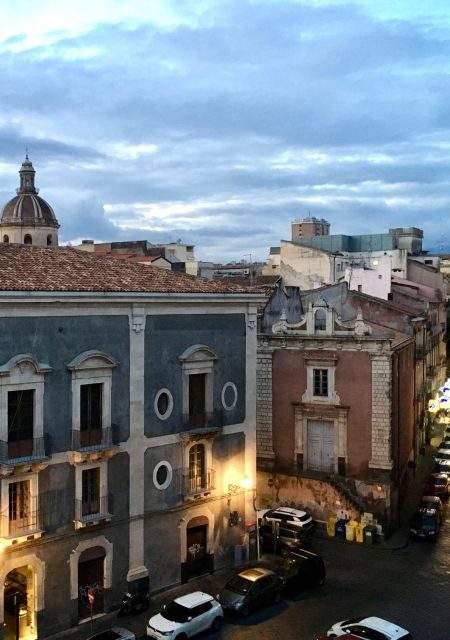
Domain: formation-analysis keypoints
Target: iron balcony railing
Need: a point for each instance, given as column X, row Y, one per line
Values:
column 92, row 440
column 93, row 509
column 21, row 518
column 194, row 484
column 19, row 451
column 205, row 419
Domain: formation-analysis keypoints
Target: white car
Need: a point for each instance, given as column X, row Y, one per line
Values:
column 442, row 454
column 185, row 617
column 371, row 628
column 290, row 516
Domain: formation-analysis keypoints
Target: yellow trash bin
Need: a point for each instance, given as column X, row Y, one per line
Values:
column 331, row 526
column 350, row 529
column 360, row 532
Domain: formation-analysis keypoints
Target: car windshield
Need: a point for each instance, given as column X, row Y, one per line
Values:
column 424, row 520
column 239, row 585
column 302, row 518
column 176, row 612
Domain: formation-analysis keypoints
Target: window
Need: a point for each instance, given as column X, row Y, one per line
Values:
column 320, row 382
column 229, row 396
column 163, row 404
column 91, row 402
column 20, row 415
column 91, row 399
column 320, row 320
column 162, row 475
column 197, row 471
column 49, row 240
column 22, row 514
column 19, row 506
column 90, row 491
column 197, row 370
column 6, row 238
column 28, row 239
column 197, row 400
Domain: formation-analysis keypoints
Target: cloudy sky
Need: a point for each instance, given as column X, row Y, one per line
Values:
column 218, row 122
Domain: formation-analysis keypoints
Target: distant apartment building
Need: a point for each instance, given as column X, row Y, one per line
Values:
column 309, row 227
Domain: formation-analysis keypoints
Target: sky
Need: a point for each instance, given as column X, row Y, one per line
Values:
column 219, row 122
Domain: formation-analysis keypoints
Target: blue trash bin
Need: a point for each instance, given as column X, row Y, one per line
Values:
column 340, row 529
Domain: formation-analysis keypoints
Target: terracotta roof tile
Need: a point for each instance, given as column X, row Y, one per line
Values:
column 24, row 268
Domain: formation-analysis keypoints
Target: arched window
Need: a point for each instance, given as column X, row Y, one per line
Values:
column 320, row 320
column 27, row 239
column 5, row 238
column 49, row 240
column 197, row 468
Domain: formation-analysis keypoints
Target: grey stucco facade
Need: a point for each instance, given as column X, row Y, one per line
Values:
column 162, row 496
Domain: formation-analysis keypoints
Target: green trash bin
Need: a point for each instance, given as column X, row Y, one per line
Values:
column 370, row 532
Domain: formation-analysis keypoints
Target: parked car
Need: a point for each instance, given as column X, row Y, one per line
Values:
column 425, row 524
column 186, row 616
column 298, row 570
column 286, row 515
column 282, row 538
column 250, row 589
column 442, row 466
column 437, row 484
column 372, row 628
column 442, row 454
column 115, row 633
column 346, row 636
column 432, row 502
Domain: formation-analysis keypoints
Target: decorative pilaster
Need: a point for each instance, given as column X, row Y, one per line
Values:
column 381, row 413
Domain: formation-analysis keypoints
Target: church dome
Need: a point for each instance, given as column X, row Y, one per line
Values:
column 27, row 207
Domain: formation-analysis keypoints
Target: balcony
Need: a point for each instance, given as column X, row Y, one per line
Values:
column 90, row 512
column 21, row 524
column 24, row 451
column 92, row 440
column 203, row 421
column 196, row 485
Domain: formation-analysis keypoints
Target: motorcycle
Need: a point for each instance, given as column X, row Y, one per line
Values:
column 133, row 603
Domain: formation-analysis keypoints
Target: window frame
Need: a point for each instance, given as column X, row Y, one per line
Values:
column 89, row 368
column 328, row 365
column 23, row 373
column 198, row 359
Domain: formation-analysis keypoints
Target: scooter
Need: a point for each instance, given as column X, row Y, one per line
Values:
column 133, row 603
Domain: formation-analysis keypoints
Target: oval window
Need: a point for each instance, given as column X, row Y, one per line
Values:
column 162, row 475
column 229, row 396
column 163, row 404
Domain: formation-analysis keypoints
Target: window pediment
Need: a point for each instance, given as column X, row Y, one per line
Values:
column 24, row 363
column 198, row 353
column 92, row 360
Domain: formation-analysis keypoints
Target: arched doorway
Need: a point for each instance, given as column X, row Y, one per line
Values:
column 91, row 582
column 198, row 560
column 19, row 616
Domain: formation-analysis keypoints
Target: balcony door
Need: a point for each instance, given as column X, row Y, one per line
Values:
column 197, row 468
column 91, row 414
column 20, row 423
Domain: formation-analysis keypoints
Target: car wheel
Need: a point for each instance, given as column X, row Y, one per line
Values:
column 181, row 636
column 245, row 611
column 217, row 623
column 277, row 597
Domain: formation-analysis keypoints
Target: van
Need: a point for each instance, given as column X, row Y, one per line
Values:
column 282, row 538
